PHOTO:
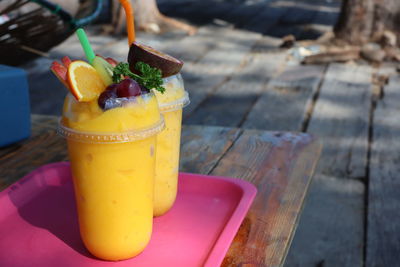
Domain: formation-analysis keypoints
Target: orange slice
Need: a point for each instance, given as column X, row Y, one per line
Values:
column 84, row 81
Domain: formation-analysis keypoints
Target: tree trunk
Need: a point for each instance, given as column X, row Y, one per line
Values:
column 147, row 15
column 362, row 21
column 148, row 18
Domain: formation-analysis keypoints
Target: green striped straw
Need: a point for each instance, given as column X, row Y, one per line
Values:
column 87, row 48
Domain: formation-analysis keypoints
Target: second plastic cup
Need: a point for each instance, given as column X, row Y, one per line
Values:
column 171, row 104
column 113, row 175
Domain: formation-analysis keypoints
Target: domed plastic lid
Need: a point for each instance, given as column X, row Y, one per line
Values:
column 175, row 105
column 175, row 84
column 110, row 138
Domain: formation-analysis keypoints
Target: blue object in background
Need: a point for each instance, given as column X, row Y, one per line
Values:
column 15, row 121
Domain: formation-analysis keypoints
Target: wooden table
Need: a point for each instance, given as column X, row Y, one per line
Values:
column 280, row 164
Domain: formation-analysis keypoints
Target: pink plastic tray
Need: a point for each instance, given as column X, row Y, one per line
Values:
column 38, row 224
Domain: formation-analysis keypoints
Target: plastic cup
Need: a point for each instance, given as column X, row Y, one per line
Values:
column 171, row 104
column 113, row 176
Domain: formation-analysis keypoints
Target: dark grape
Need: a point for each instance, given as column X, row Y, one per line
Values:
column 107, row 94
column 113, row 87
column 128, row 88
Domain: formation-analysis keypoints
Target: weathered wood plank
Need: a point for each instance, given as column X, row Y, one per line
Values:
column 30, row 156
column 280, row 165
column 217, row 65
column 192, row 48
column 210, row 144
column 229, row 105
column 40, row 125
column 285, row 103
column 332, row 226
column 341, row 120
column 383, row 233
column 330, row 232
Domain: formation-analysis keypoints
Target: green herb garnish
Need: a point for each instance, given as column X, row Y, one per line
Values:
column 150, row 77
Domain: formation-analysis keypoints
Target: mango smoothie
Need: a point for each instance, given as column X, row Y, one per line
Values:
column 111, row 119
column 112, row 154
column 171, row 103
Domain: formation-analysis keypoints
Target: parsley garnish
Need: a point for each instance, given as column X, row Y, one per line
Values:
column 149, row 78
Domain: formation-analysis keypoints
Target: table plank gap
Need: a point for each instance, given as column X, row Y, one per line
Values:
column 311, row 102
column 383, row 239
column 341, row 124
column 222, row 65
column 284, row 103
column 217, row 66
column 341, row 120
column 210, row 144
column 230, row 103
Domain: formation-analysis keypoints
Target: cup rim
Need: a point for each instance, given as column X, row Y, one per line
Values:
column 176, row 104
column 110, row 138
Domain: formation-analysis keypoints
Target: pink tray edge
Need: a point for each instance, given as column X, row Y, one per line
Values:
column 228, row 234
column 226, row 237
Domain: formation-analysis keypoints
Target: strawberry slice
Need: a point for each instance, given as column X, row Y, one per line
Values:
column 112, row 61
column 60, row 71
column 66, row 61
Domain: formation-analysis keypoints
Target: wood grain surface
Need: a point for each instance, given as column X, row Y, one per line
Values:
column 231, row 103
column 383, row 228
column 210, row 144
column 285, row 103
column 280, row 165
column 44, row 146
column 341, row 119
column 332, row 231
column 217, row 66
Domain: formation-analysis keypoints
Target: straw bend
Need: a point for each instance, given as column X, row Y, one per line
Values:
column 87, row 48
column 130, row 22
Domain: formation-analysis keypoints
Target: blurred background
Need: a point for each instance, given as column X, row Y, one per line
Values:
column 326, row 67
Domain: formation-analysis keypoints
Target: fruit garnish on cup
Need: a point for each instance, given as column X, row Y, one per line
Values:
column 85, row 83
column 60, row 71
column 149, row 77
column 167, row 64
column 127, row 84
column 104, row 79
column 104, row 68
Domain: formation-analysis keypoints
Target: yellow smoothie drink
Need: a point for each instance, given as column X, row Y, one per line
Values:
column 171, row 103
column 112, row 156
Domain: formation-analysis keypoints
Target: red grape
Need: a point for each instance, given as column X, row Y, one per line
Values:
column 128, row 88
column 107, row 94
column 113, row 87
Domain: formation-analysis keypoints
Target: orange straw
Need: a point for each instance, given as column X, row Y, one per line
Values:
column 130, row 23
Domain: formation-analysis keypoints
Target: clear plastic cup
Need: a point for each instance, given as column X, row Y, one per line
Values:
column 113, row 175
column 171, row 104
